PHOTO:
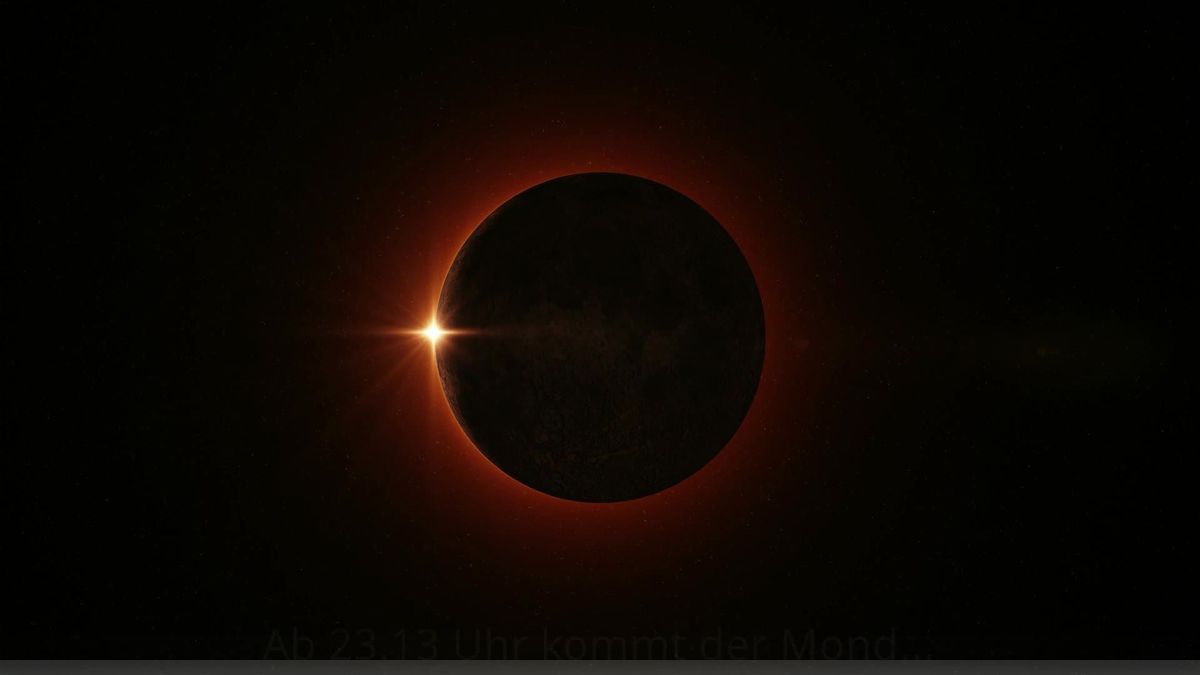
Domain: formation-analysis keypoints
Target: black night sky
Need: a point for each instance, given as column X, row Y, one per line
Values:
column 968, row 229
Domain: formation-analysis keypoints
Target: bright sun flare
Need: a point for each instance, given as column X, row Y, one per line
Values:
column 433, row 332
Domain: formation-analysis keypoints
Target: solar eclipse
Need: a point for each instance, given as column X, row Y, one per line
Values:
column 617, row 337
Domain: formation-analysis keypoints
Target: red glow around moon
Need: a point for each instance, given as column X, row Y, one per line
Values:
column 509, row 528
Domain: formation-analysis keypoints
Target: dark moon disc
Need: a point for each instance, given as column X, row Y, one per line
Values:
column 611, row 337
